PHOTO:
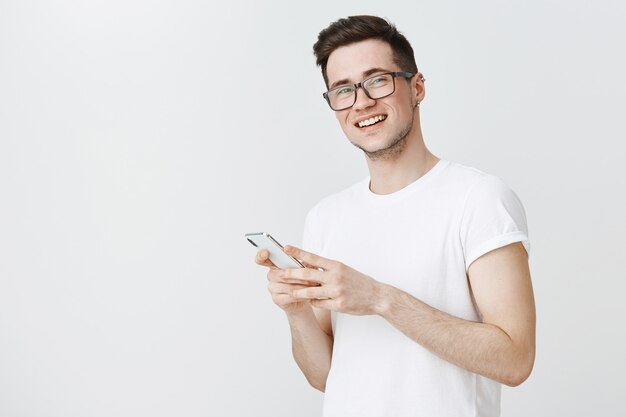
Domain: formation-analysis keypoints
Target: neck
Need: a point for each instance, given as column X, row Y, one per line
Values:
column 388, row 175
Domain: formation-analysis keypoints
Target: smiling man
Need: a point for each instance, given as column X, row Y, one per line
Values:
column 417, row 298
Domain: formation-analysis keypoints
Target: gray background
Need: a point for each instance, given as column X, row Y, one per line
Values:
column 139, row 141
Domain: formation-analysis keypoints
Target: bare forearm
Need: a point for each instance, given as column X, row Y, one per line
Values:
column 311, row 346
column 481, row 348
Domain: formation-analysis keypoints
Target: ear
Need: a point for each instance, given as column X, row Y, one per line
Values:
column 418, row 88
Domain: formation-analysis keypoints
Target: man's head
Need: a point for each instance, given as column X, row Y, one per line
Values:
column 379, row 115
column 359, row 28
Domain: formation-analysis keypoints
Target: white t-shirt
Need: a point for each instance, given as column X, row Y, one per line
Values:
column 420, row 239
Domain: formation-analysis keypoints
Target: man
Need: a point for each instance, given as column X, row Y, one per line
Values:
column 417, row 298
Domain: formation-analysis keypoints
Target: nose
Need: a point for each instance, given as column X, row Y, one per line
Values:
column 362, row 100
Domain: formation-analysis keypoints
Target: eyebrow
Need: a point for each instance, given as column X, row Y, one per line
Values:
column 365, row 75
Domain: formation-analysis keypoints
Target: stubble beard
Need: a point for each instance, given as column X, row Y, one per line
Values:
column 395, row 147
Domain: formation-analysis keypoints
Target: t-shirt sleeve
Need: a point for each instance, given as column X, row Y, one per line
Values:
column 493, row 217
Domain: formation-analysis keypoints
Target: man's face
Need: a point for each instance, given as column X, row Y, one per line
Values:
column 350, row 65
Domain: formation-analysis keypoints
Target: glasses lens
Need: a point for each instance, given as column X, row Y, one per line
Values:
column 379, row 86
column 341, row 97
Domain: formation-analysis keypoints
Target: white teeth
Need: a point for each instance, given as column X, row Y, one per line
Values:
column 372, row 120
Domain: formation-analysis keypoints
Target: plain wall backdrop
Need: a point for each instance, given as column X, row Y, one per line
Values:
column 140, row 140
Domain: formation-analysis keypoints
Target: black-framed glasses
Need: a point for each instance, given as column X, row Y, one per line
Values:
column 375, row 87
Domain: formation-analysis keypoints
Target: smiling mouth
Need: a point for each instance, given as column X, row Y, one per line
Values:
column 371, row 121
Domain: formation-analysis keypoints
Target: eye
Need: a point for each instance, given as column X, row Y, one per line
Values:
column 378, row 81
column 345, row 90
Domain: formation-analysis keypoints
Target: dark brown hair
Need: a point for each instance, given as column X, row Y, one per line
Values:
column 359, row 28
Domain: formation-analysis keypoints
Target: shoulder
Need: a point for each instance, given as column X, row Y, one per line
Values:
column 474, row 183
column 465, row 176
column 488, row 202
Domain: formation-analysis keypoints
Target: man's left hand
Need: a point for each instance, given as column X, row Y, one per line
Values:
column 342, row 289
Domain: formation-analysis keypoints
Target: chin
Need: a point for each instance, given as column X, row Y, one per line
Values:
column 389, row 149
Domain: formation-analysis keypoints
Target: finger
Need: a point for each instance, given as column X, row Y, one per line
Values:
column 305, row 274
column 285, row 299
column 278, row 275
column 311, row 293
column 325, row 304
column 262, row 258
column 312, row 259
column 301, row 282
column 275, row 275
column 280, row 288
column 306, row 265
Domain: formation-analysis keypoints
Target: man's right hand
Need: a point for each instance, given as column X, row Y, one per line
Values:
column 280, row 288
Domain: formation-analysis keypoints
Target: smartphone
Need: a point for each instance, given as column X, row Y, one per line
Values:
column 277, row 254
